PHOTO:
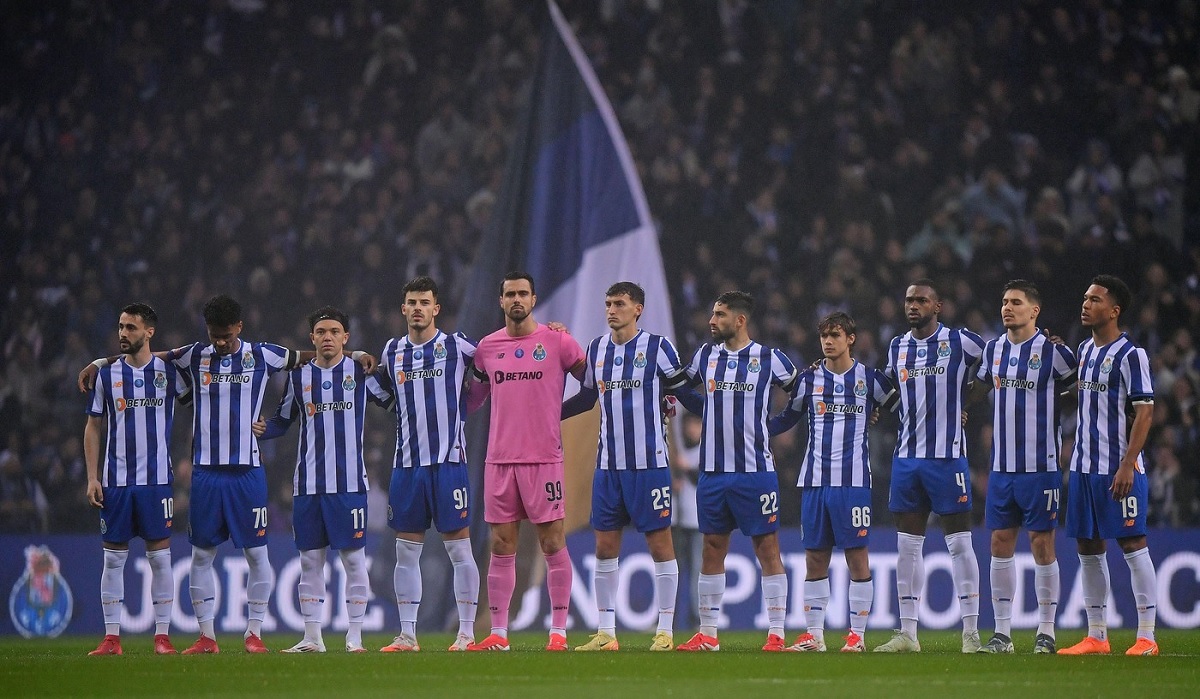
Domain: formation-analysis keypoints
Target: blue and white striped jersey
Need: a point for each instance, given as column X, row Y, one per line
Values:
column 737, row 388
column 629, row 379
column 426, row 384
column 331, row 405
column 839, row 410
column 1026, row 379
column 1112, row 379
column 930, row 376
column 140, row 405
column 229, row 395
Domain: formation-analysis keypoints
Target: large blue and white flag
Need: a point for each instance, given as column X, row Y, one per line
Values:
column 572, row 211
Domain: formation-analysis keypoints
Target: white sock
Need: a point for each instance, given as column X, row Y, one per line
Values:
column 466, row 583
column 312, row 591
column 1143, row 580
column 1093, row 573
column 965, row 567
column 407, row 579
column 816, row 601
column 112, row 590
column 162, row 589
column 203, row 588
column 1004, row 586
column 710, row 589
column 259, row 583
column 604, row 582
column 910, row 579
column 1046, row 581
column 862, row 593
column 666, row 587
column 358, row 592
column 775, row 592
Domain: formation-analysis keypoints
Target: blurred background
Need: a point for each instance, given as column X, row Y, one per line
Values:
column 817, row 154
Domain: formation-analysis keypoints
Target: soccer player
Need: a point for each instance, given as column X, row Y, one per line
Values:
column 628, row 370
column 229, row 489
column 524, row 366
column 1108, row 492
column 1028, row 372
column 329, row 491
column 135, row 396
column 930, row 366
column 839, row 397
column 422, row 378
column 738, row 487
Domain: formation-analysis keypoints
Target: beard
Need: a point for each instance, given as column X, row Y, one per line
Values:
column 518, row 314
column 133, row 347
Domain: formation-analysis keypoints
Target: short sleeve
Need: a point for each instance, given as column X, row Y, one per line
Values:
column 569, row 351
column 1136, row 374
column 972, row 344
column 783, row 372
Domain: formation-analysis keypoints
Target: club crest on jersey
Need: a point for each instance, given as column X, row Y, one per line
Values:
column 539, row 353
column 640, row 360
column 944, row 349
column 40, row 604
column 247, row 361
column 138, row 383
column 439, row 351
column 348, row 383
column 1035, row 362
column 160, row 380
column 754, row 367
column 519, row 353
column 1106, row 366
column 860, row 388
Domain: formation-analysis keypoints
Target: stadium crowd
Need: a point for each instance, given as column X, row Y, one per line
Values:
column 818, row 155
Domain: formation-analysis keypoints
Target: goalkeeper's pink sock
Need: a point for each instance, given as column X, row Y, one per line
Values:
column 558, row 579
column 501, row 581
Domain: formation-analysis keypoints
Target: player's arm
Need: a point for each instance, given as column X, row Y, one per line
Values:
column 580, row 402
column 91, row 457
column 479, row 390
column 1143, row 414
column 790, row 416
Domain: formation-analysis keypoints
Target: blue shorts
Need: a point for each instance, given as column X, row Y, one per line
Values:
column 228, row 502
column 745, row 501
column 931, row 485
column 639, row 496
column 1027, row 500
column 424, row 495
column 334, row 519
column 1093, row 514
column 835, row 516
column 136, row 510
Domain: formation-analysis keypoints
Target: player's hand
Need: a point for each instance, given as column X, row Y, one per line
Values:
column 874, row 416
column 87, row 378
column 1122, row 483
column 669, row 406
column 95, row 493
column 368, row 362
column 259, row 427
column 964, row 418
column 557, row 327
column 1055, row 339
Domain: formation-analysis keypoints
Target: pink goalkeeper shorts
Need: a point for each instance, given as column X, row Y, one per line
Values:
column 513, row 492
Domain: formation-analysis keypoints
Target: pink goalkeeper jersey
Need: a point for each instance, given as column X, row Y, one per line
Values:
column 526, row 376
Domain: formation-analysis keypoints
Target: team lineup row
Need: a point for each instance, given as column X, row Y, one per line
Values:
column 432, row 380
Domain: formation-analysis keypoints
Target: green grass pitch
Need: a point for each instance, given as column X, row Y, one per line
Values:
column 60, row 667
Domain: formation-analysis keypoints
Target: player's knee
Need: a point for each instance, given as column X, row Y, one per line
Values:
column 1132, row 544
